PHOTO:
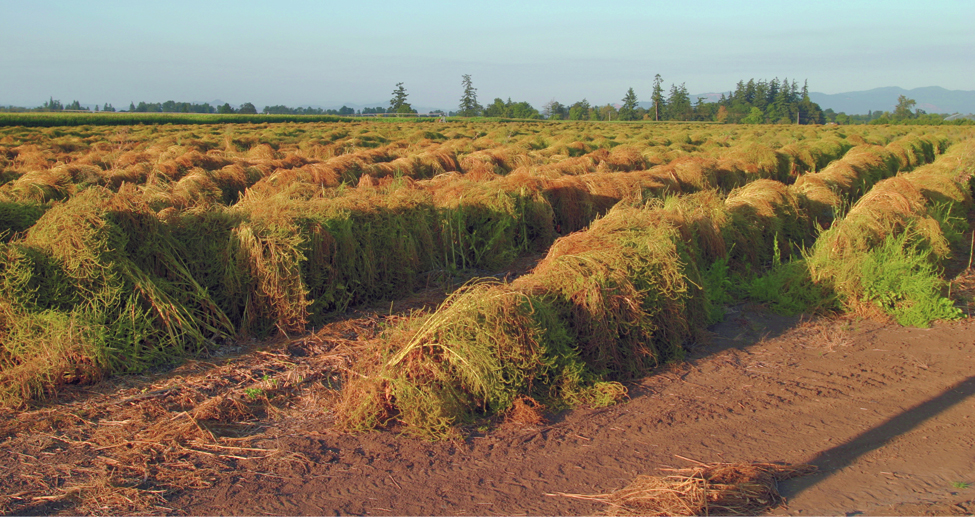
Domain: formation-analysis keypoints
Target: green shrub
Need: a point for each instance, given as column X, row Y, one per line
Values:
column 900, row 278
column 788, row 288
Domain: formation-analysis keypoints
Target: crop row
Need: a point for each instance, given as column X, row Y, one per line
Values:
column 611, row 302
column 111, row 279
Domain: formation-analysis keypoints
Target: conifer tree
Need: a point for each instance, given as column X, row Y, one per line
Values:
column 398, row 103
column 658, row 97
column 468, row 103
column 628, row 110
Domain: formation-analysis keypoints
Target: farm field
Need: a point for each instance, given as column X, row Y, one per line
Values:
column 311, row 279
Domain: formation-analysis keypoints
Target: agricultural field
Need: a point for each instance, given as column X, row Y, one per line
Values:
column 436, row 279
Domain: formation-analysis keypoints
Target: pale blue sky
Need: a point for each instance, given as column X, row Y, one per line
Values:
column 297, row 52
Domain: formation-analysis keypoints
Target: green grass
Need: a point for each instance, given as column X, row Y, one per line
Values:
column 900, row 278
column 788, row 289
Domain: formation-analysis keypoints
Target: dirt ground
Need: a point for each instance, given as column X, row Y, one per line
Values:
column 886, row 413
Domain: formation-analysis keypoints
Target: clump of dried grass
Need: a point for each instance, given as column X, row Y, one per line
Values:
column 765, row 220
column 16, row 217
column 699, row 173
column 707, row 489
column 622, row 288
column 624, row 158
column 755, row 160
column 40, row 186
column 484, row 347
column 524, row 411
column 888, row 208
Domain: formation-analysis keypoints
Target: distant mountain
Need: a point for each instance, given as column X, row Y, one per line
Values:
column 932, row 99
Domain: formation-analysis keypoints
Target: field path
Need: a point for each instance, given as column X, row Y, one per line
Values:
column 885, row 412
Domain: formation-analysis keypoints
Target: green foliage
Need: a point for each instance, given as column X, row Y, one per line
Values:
column 254, row 393
column 787, row 288
column 903, row 108
column 605, row 304
column 781, row 102
column 581, row 109
column 679, row 103
column 127, row 282
column 899, row 277
column 718, row 287
column 172, row 107
column 952, row 223
column 555, row 110
column 755, row 116
column 511, row 110
column 659, row 103
column 43, row 351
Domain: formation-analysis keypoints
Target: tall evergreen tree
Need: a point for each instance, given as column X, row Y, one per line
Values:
column 398, row 103
column 468, row 102
column 628, row 109
column 658, row 97
column 679, row 103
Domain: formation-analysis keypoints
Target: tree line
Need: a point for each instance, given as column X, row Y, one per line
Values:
column 905, row 112
column 756, row 102
column 751, row 102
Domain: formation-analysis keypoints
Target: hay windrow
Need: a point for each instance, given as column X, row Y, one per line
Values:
column 826, row 193
column 486, row 346
column 888, row 249
column 756, row 160
column 164, row 241
column 122, row 298
column 609, row 303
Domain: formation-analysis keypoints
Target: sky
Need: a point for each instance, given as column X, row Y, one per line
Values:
column 326, row 53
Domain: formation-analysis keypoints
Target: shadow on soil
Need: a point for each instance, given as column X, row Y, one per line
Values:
column 832, row 460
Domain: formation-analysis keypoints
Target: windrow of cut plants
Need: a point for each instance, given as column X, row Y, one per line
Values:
column 126, row 249
column 611, row 302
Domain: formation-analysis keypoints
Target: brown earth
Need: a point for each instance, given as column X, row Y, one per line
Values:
column 886, row 413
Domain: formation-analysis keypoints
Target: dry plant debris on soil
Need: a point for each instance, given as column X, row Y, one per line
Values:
column 705, row 489
column 124, row 448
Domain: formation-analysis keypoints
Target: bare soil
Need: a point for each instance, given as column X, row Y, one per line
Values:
column 886, row 413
